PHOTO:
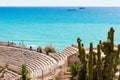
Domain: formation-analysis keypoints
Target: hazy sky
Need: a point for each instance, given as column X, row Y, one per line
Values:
column 59, row 2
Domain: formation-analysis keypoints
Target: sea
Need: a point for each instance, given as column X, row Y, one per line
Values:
column 58, row 26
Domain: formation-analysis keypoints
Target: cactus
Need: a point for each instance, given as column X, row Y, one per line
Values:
column 79, row 47
column 119, row 60
column 109, row 59
column 82, row 54
column 83, row 70
column 112, row 38
column 97, row 67
column 118, row 54
column 90, row 63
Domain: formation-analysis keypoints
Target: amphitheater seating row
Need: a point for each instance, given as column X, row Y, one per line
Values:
column 38, row 64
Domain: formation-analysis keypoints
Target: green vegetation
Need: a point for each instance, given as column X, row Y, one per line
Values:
column 25, row 74
column 39, row 49
column 74, row 69
column 24, row 46
column 90, row 63
column 95, row 67
column 50, row 49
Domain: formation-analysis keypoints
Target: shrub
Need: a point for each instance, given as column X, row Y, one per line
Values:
column 74, row 68
column 25, row 73
column 50, row 49
column 39, row 49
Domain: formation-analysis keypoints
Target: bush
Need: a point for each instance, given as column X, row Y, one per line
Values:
column 50, row 49
column 25, row 74
column 39, row 49
column 74, row 68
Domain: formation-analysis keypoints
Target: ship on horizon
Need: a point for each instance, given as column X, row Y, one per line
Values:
column 72, row 9
column 81, row 7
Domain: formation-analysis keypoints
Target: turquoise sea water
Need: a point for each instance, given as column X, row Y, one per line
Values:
column 57, row 26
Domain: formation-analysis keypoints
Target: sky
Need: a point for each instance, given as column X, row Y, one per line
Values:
column 60, row 3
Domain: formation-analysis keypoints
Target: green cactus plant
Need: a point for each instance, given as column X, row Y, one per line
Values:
column 118, row 54
column 90, row 63
column 99, row 62
column 83, row 70
column 79, row 47
column 83, row 67
column 112, row 38
column 96, row 67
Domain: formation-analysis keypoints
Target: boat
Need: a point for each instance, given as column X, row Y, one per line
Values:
column 81, row 7
column 71, row 9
